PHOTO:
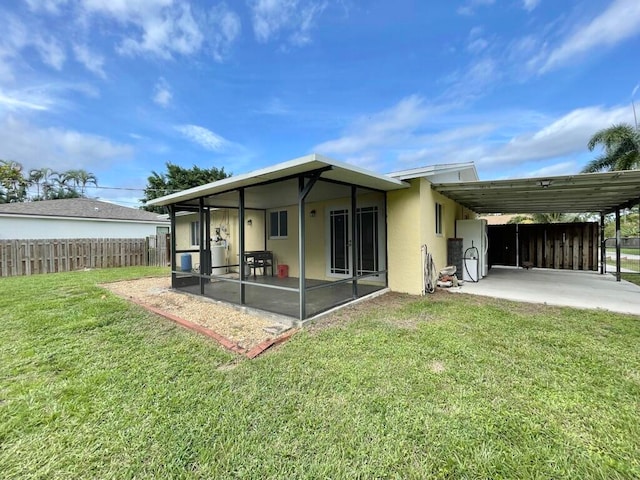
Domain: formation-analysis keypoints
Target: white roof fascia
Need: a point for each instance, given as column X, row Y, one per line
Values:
column 434, row 170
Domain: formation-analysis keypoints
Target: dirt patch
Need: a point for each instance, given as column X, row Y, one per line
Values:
column 382, row 307
column 245, row 329
column 437, row 367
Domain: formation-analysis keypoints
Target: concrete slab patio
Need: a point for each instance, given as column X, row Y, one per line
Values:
column 559, row 287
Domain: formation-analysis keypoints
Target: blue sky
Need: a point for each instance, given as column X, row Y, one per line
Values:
column 119, row 87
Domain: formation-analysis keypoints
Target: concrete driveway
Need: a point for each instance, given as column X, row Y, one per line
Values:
column 558, row 287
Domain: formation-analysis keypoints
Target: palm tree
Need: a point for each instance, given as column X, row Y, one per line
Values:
column 72, row 180
column 621, row 144
column 85, row 178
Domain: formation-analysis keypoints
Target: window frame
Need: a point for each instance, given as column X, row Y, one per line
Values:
column 194, row 233
column 278, row 214
column 439, row 209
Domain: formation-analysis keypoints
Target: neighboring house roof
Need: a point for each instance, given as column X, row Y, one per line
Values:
column 331, row 170
column 84, row 208
column 463, row 172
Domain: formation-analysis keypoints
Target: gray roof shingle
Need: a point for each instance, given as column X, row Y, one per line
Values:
column 80, row 208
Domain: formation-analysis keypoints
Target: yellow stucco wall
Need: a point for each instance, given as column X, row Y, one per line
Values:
column 411, row 221
column 227, row 221
column 404, row 221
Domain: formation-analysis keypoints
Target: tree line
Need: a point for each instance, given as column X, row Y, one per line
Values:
column 17, row 185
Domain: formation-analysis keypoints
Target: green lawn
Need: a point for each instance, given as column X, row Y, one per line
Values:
column 450, row 386
column 624, row 251
column 631, row 277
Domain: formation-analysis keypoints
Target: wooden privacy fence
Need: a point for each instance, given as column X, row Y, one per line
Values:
column 571, row 246
column 28, row 257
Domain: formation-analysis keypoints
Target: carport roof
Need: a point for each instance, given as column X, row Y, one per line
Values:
column 587, row 192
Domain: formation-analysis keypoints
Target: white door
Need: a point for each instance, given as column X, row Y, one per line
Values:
column 339, row 242
column 340, row 259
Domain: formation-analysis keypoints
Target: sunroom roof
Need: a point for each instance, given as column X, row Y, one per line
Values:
column 335, row 171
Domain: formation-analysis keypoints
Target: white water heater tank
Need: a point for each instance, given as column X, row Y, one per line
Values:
column 217, row 259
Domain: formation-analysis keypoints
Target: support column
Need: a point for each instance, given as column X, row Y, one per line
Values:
column 172, row 233
column 603, row 249
column 386, row 242
column 303, row 191
column 354, row 243
column 302, row 284
column 241, row 242
column 618, row 276
column 201, row 244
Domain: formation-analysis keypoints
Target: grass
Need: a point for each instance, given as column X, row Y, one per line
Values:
column 449, row 386
column 631, row 277
column 624, row 251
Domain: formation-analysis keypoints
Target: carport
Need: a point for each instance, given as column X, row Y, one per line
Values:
column 603, row 193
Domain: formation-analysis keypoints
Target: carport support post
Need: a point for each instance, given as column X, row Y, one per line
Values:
column 241, row 243
column 618, row 276
column 603, row 250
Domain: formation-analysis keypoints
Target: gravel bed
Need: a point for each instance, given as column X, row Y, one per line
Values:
column 245, row 329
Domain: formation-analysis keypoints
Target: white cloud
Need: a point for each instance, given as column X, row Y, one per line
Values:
column 412, row 134
column 17, row 36
column 477, row 43
column 380, row 130
column 162, row 93
column 49, row 6
column 295, row 17
column 92, row 61
column 171, row 31
column 224, row 29
column 14, row 102
column 274, row 106
column 160, row 27
column 530, row 5
column 620, row 21
column 204, row 137
column 565, row 136
column 470, row 7
column 58, row 148
column 562, row 168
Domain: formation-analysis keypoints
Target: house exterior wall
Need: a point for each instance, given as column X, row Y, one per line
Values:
column 227, row 221
column 29, row 227
column 404, row 226
column 411, row 223
column 285, row 250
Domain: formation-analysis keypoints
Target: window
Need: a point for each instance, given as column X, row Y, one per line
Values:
column 438, row 218
column 278, row 224
column 195, row 233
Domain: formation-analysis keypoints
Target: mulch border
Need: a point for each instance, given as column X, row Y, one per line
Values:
column 224, row 341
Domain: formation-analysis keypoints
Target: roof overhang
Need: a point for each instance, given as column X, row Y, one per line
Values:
column 463, row 172
column 588, row 192
column 327, row 168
